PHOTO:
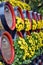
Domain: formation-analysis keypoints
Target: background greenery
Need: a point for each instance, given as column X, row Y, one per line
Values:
column 36, row 5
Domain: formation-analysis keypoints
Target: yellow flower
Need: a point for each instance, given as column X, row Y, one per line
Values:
column 34, row 24
column 33, row 27
column 27, row 25
column 39, row 24
column 20, row 4
column 32, row 53
column 30, row 48
column 27, row 54
column 42, row 23
column 30, row 41
column 37, row 47
column 22, row 47
column 11, row 0
column 26, row 6
column 19, row 42
column 1, row 63
column 24, row 57
column 41, row 34
column 41, row 44
column 33, row 48
column 19, row 24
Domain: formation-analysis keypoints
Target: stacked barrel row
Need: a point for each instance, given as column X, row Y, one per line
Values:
column 18, row 30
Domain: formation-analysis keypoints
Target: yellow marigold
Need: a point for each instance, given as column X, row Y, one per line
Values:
column 22, row 39
column 27, row 55
column 41, row 38
column 33, row 48
column 41, row 34
column 19, row 42
column 30, row 55
column 37, row 47
column 26, row 6
column 24, row 57
column 32, row 52
column 39, row 24
column 30, row 41
column 41, row 45
column 11, row 0
column 1, row 63
column 23, row 43
column 20, row 4
column 19, row 24
column 30, row 48
column 23, row 46
column 27, row 25
column 42, row 23
column 28, row 51
column 34, row 24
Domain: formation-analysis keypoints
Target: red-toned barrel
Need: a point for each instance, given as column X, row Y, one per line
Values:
column 19, row 13
column 34, row 15
column 8, row 18
column 29, row 15
column 7, row 50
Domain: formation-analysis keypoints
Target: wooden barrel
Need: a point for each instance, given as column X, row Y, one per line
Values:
column 7, row 50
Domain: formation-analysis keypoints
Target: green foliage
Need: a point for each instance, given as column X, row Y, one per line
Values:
column 36, row 5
